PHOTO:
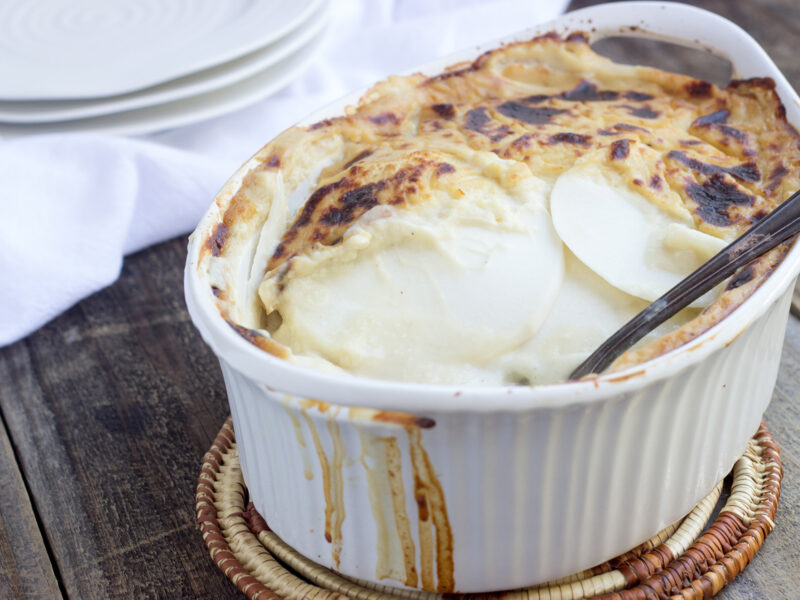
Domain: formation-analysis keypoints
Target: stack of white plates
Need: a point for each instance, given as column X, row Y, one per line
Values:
column 135, row 66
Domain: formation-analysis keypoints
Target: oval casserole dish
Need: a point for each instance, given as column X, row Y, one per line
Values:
column 464, row 489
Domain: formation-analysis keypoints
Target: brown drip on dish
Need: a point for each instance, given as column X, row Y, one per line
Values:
column 394, row 538
column 435, row 534
column 332, row 485
column 308, row 473
column 395, row 547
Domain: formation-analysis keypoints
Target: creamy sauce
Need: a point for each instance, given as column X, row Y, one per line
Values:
column 421, row 236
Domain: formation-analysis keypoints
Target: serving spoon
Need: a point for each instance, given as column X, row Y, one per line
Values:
column 777, row 227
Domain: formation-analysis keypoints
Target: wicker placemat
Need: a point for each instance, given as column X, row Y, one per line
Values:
column 683, row 561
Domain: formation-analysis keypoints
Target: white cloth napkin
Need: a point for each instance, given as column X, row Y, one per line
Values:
column 74, row 204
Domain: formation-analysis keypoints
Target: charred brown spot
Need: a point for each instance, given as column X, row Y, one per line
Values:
column 550, row 35
column 778, row 172
column 478, row 119
column 445, row 168
column 535, row 115
column 655, row 182
column 629, row 127
column 332, row 208
column 698, row 88
column 690, row 142
column 359, row 157
column 404, row 419
column 578, row 36
column 353, row 203
column 775, row 177
column 737, row 134
column 280, row 251
column 643, row 112
column 763, row 82
column 422, row 505
column 320, row 124
column 274, row 161
column 523, row 141
column 217, row 240
column 446, row 111
column 258, row 340
column 216, row 291
column 571, row 138
column 455, row 72
column 638, row 181
column 304, row 218
column 741, row 278
column 588, row 92
column 385, row 118
column 619, row 149
column 745, row 171
column 536, row 98
column 718, row 117
column 606, row 132
column 714, row 197
column 637, row 96
column 424, row 422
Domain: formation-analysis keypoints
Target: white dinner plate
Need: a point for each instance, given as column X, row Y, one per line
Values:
column 45, row 111
column 60, row 49
column 187, row 110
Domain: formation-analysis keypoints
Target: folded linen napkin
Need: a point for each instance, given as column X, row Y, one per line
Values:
column 75, row 204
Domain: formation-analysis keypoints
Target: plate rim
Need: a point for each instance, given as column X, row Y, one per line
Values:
column 208, row 80
column 42, row 87
column 179, row 113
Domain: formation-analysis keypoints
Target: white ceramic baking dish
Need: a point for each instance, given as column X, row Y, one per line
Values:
column 497, row 488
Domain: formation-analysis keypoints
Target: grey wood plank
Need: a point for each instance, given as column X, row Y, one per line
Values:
column 25, row 567
column 112, row 407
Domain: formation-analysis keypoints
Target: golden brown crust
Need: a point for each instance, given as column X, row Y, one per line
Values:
column 336, row 205
column 723, row 156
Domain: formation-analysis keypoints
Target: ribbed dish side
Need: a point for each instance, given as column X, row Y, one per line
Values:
column 542, row 493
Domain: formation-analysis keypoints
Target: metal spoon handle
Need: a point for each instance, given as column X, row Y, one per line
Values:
column 777, row 227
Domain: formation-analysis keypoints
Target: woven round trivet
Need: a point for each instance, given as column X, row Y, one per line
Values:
column 684, row 561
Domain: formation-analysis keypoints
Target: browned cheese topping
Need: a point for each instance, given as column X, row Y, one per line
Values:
column 723, row 156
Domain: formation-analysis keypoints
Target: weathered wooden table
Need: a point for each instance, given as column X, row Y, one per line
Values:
column 108, row 410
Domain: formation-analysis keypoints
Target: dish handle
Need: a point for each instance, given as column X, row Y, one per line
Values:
column 680, row 24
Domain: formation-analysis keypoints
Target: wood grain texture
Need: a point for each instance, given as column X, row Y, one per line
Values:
column 112, row 405
column 25, row 567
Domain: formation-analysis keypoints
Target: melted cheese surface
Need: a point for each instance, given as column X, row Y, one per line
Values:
column 495, row 223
